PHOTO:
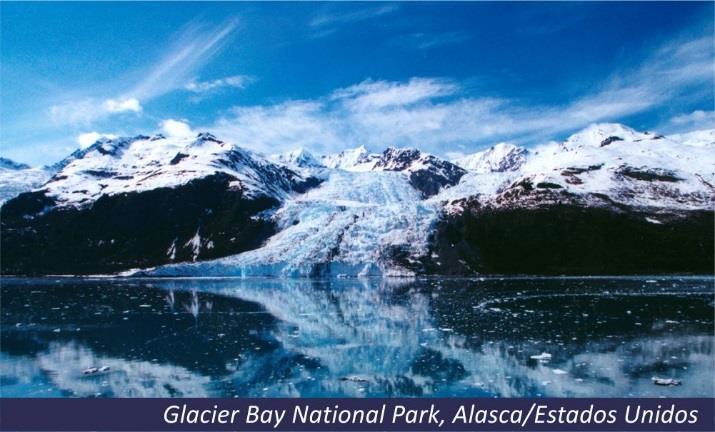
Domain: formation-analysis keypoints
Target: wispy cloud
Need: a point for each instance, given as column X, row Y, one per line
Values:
column 439, row 116
column 333, row 18
column 362, row 14
column 288, row 125
column 192, row 48
column 122, row 105
column 698, row 119
column 696, row 116
column 381, row 94
column 424, row 41
column 85, row 111
column 235, row 81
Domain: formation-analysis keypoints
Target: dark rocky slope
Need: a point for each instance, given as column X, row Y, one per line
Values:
column 202, row 219
column 565, row 239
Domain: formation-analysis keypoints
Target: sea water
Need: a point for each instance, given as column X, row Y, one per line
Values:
column 482, row 337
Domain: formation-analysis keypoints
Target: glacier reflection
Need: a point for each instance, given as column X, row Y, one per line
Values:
column 351, row 337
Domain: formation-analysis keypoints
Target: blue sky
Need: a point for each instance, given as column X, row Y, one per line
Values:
column 449, row 78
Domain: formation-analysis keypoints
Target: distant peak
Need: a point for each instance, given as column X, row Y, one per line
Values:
column 11, row 164
column 400, row 151
column 500, row 157
column 299, row 157
column 604, row 134
column 206, row 136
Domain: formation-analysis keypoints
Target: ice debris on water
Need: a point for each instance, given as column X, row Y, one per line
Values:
column 666, row 381
column 543, row 357
column 94, row 370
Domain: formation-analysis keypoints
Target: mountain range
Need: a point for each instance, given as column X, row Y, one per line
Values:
column 607, row 200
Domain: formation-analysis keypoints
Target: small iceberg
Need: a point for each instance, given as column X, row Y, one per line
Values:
column 543, row 357
column 666, row 381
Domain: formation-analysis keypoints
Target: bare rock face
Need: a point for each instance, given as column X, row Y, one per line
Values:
column 428, row 174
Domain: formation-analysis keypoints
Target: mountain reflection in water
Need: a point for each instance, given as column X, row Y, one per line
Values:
column 350, row 337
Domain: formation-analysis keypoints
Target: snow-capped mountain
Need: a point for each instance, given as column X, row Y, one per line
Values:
column 427, row 173
column 16, row 178
column 142, row 163
column 498, row 158
column 10, row 164
column 606, row 200
column 602, row 201
column 146, row 200
column 299, row 158
column 367, row 218
column 605, row 164
column 603, row 134
column 357, row 159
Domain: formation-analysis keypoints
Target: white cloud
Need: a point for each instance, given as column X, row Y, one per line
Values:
column 438, row 116
column 87, row 110
column 425, row 41
column 334, row 18
column 284, row 126
column 697, row 116
column 192, row 48
column 87, row 139
column 122, row 105
column 381, row 94
column 235, row 81
column 352, row 16
column 81, row 111
column 176, row 128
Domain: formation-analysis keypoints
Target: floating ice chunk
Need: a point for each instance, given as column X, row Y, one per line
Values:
column 543, row 357
column 93, row 370
column 666, row 381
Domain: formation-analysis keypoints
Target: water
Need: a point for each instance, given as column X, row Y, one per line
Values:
column 433, row 337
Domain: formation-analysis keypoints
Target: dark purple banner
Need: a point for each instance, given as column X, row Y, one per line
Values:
column 692, row 414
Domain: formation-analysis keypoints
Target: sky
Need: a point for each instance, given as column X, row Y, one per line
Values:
column 447, row 78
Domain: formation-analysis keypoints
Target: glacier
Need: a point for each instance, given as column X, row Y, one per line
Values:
column 368, row 220
column 354, row 213
column 16, row 178
column 351, row 225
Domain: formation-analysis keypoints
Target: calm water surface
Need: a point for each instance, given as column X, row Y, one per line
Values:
column 435, row 337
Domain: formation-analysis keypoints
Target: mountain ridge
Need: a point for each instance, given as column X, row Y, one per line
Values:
column 356, row 212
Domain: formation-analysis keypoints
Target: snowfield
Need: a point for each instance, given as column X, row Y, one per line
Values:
column 14, row 181
column 631, row 168
column 111, row 167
